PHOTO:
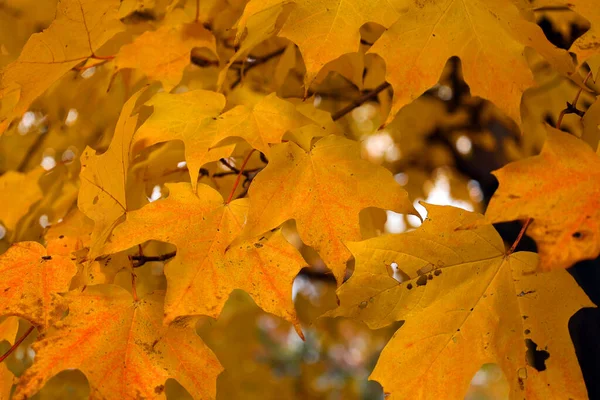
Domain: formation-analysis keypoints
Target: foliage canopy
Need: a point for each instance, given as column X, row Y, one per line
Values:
column 279, row 198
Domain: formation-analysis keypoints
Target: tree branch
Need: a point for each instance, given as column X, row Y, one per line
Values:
column 142, row 259
column 256, row 61
column 360, row 100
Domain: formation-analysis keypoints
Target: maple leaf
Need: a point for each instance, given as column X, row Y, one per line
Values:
column 465, row 302
column 587, row 44
column 8, row 332
column 545, row 102
column 205, row 270
column 488, row 36
column 102, row 195
column 8, row 329
column 591, row 125
column 559, row 190
column 163, row 54
column 258, row 28
column 31, row 277
column 325, row 30
column 323, row 190
column 24, row 186
column 185, row 117
column 80, row 29
column 128, row 353
column 260, row 125
column 194, row 117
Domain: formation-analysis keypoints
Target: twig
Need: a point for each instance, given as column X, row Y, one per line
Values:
column 17, row 343
column 142, row 259
column 518, row 239
column 255, row 63
column 231, row 167
column 360, row 100
column 572, row 107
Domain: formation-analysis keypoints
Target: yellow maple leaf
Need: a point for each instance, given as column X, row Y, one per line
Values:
column 194, row 118
column 102, row 194
column 465, row 302
column 80, row 29
column 325, row 30
column 559, row 189
column 163, row 54
column 128, row 352
column 205, row 270
column 8, row 332
column 323, row 190
column 184, row 117
column 587, row 44
column 18, row 185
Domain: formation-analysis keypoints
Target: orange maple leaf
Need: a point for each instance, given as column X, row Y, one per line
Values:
column 560, row 190
column 205, row 270
column 123, row 348
column 31, row 277
column 324, row 190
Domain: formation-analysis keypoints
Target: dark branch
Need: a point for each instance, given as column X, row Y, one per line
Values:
column 142, row 259
column 255, row 62
column 360, row 100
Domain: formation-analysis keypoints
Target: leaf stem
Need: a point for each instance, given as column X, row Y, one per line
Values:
column 237, row 180
column 360, row 100
column 572, row 107
column 17, row 343
column 197, row 10
column 518, row 239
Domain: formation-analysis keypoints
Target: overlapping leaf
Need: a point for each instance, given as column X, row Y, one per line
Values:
column 587, row 44
column 18, row 185
column 102, row 194
column 163, row 54
column 123, row 348
column 465, row 303
column 325, row 30
column 489, row 37
column 193, row 117
column 31, row 277
column 323, row 190
column 80, row 29
column 559, row 189
column 8, row 332
column 205, row 270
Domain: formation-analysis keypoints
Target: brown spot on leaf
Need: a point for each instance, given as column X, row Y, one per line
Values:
column 422, row 281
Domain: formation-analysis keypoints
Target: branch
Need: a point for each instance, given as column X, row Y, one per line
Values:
column 256, row 61
column 359, row 101
column 142, row 259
